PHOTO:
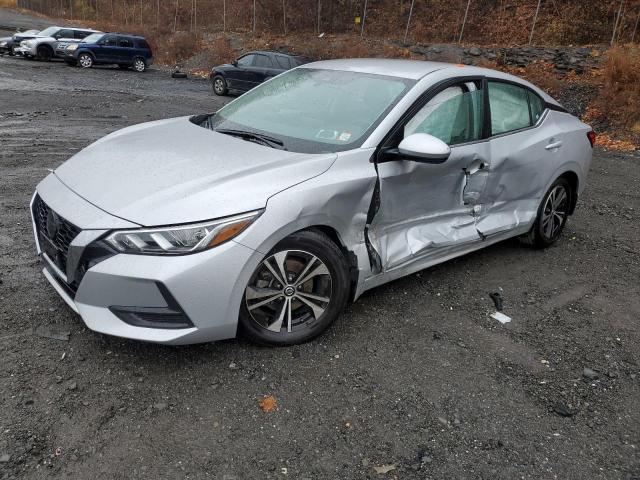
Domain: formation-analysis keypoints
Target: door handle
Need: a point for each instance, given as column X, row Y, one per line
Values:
column 553, row 145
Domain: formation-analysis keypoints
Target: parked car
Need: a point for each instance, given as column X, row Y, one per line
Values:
column 327, row 181
column 7, row 44
column 111, row 48
column 252, row 69
column 44, row 46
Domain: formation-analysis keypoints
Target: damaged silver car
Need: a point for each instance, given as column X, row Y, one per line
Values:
column 324, row 182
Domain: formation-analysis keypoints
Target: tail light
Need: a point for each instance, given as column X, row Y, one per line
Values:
column 591, row 135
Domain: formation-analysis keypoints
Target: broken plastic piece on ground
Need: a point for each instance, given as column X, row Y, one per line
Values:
column 501, row 317
column 268, row 403
column 384, row 468
column 178, row 74
column 497, row 300
column 52, row 332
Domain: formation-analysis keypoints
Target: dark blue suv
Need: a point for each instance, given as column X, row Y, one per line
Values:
column 110, row 48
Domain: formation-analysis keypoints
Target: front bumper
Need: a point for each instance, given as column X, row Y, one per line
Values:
column 25, row 51
column 206, row 287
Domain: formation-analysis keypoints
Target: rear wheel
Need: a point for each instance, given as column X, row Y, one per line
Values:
column 44, row 53
column 139, row 65
column 552, row 215
column 85, row 60
column 220, row 85
column 297, row 291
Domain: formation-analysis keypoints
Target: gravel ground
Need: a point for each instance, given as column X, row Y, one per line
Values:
column 415, row 377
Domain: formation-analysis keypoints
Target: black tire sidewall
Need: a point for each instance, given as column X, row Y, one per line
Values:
column 321, row 246
column 44, row 53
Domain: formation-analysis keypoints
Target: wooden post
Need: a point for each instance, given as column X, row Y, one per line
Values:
column 406, row 30
column 464, row 20
column 364, row 17
column 635, row 27
column 615, row 25
column 535, row 17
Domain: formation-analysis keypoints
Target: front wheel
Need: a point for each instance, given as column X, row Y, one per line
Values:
column 297, row 291
column 219, row 85
column 552, row 215
column 85, row 60
column 44, row 53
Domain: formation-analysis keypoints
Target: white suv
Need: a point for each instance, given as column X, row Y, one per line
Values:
column 49, row 42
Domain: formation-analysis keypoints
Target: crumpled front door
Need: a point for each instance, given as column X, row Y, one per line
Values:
column 429, row 209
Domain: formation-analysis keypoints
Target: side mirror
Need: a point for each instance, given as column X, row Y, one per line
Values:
column 234, row 63
column 422, row 147
column 417, row 147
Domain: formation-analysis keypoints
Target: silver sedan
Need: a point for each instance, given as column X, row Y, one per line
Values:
column 269, row 215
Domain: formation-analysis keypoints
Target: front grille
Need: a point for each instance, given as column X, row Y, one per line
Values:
column 55, row 233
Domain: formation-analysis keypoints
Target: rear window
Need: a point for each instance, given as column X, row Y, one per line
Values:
column 537, row 107
column 142, row 43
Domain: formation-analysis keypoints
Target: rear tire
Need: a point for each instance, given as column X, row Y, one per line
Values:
column 44, row 53
column 139, row 64
column 552, row 216
column 313, row 293
column 219, row 85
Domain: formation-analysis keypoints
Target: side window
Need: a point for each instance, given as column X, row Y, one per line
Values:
column 125, row 42
column 110, row 41
column 80, row 34
column 537, row 107
column 283, row 62
column 454, row 115
column 64, row 34
column 262, row 61
column 246, row 61
column 509, row 107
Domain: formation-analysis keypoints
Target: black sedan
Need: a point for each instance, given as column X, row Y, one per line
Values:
column 252, row 69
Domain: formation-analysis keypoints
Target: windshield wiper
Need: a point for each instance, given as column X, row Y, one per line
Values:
column 252, row 137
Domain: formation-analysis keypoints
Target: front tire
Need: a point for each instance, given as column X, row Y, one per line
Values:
column 85, row 60
column 44, row 53
column 552, row 216
column 220, row 85
column 296, row 292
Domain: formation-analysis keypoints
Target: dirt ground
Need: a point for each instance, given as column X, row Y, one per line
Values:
column 414, row 377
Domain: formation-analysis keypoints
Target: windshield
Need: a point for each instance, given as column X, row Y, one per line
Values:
column 313, row 111
column 49, row 32
column 93, row 38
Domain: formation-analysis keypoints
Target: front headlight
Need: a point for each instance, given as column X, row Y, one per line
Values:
column 181, row 239
column 3, row 44
column 72, row 47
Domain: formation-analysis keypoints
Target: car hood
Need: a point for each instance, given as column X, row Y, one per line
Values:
column 173, row 171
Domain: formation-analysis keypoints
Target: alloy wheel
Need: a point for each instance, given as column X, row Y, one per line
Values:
column 291, row 289
column 138, row 65
column 554, row 212
column 218, row 86
column 85, row 61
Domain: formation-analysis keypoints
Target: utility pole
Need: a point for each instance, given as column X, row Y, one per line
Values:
column 224, row 15
column 284, row 15
column 254, row 16
column 466, row 12
column 535, row 17
column 319, row 17
column 406, row 30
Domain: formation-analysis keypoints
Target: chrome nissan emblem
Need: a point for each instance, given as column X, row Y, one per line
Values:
column 289, row 291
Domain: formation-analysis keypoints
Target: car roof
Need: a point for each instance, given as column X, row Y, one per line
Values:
column 140, row 37
column 79, row 28
column 273, row 52
column 417, row 69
